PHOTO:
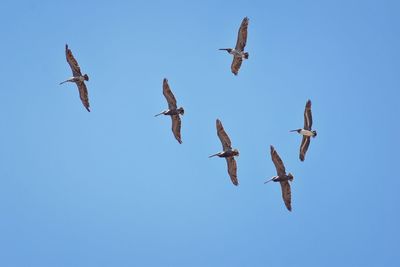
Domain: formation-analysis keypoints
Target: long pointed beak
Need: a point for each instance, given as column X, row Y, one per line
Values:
column 63, row 82
column 213, row 155
column 293, row 131
column 269, row 181
column 159, row 114
column 223, row 49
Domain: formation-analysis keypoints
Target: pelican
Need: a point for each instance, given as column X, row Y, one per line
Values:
column 238, row 52
column 282, row 178
column 172, row 111
column 228, row 153
column 307, row 133
column 77, row 78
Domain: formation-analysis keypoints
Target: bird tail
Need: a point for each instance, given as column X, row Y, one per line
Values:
column 213, row 155
column 159, row 114
column 315, row 134
column 64, row 82
column 246, row 55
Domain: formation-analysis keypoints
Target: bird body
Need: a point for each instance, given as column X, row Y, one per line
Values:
column 226, row 154
column 76, row 79
column 170, row 112
column 306, row 132
column 236, row 53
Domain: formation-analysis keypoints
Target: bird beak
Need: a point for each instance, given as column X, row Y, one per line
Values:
column 159, row 114
column 293, row 131
column 268, row 181
column 223, row 49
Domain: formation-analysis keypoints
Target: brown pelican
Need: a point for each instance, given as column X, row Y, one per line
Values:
column 172, row 111
column 237, row 52
column 282, row 178
column 228, row 153
column 77, row 78
column 306, row 132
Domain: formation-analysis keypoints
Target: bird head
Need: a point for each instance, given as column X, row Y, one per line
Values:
column 86, row 77
column 235, row 152
column 291, row 177
column 181, row 111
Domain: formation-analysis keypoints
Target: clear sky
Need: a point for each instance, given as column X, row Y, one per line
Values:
column 114, row 188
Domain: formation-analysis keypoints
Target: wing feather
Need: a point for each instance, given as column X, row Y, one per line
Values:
column 286, row 194
column 242, row 35
column 232, row 170
column 76, row 70
column 308, row 116
column 169, row 95
column 83, row 94
column 280, row 168
column 236, row 63
column 176, row 127
column 223, row 136
column 304, row 147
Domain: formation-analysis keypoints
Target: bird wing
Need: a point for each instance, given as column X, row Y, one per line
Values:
column 176, row 127
column 308, row 116
column 76, row 70
column 236, row 63
column 304, row 147
column 286, row 194
column 280, row 168
column 223, row 137
column 169, row 95
column 242, row 35
column 83, row 94
column 232, row 169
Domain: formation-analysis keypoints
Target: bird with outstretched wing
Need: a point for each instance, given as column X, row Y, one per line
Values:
column 240, row 44
column 285, row 186
column 77, row 78
column 305, row 142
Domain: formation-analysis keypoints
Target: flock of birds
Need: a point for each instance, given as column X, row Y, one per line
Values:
column 227, row 152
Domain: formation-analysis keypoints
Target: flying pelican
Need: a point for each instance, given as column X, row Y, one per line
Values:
column 238, row 52
column 228, row 153
column 306, row 132
column 172, row 111
column 77, row 78
column 282, row 178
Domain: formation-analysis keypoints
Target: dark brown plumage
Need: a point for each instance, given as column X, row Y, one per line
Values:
column 242, row 35
column 78, row 78
column 282, row 178
column 238, row 52
column 172, row 111
column 308, row 121
column 228, row 153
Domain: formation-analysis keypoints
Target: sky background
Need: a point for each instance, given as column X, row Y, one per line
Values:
column 114, row 188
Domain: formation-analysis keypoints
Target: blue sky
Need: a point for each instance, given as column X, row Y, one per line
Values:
column 114, row 188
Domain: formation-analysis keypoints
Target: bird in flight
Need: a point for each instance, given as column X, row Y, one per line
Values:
column 228, row 153
column 238, row 52
column 307, row 133
column 77, row 78
column 282, row 178
column 172, row 111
